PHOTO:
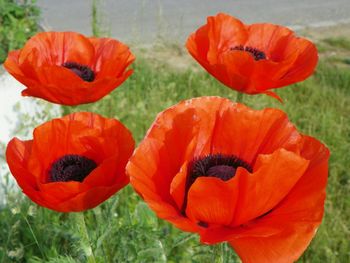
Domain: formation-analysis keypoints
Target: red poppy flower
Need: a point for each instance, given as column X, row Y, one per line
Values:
column 69, row 68
column 234, row 174
column 252, row 58
column 73, row 163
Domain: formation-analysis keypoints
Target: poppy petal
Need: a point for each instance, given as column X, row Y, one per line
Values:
column 289, row 227
column 198, row 44
column 252, row 58
column 278, row 204
column 254, row 132
column 143, row 171
column 61, row 82
column 111, row 57
column 50, row 136
column 270, row 38
column 57, row 192
column 17, row 152
column 273, row 177
column 87, row 200
column 56, row 48
column 281, row 248
column 162, row 142
column 11, row 63
column 101, row 87
column 305, row 63
column 221, row 28
column 84, row 134
column 239, row 74
column 178, row 186
column 274, row 95
column 299, row 206
column 102, row 177
column 95, row 67
column 212, row 200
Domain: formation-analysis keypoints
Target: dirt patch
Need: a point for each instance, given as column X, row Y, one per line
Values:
column 328, row 40
column 174, row 56
column 333, row 43
column 320, row 33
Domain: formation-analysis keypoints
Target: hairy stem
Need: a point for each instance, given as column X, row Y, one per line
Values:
column 84, row 237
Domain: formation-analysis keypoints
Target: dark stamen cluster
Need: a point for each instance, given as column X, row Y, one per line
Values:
column 256, row 53
column 216, row 165
column 84, row 72
column 71, row 167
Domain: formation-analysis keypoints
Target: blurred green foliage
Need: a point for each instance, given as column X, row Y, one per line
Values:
column 18, row 22
column 338, row 42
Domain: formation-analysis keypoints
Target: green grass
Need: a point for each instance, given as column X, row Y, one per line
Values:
column 123, row 229
column 338, row 42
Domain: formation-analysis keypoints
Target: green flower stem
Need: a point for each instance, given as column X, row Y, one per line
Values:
column 84, row 237
column 222, row 253
column 218, row 253
column 239, row 97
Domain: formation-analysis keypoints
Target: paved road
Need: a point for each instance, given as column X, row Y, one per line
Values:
column 144, row 20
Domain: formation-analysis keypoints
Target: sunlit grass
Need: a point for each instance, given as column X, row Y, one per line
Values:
column 338, row 42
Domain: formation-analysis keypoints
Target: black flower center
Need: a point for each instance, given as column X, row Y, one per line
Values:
column 224, row 172
column 71, row 167
column 84, row 72
column 214, row 165
column 256, row 53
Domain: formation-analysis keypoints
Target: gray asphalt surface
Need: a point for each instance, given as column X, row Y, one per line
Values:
column 144, row 20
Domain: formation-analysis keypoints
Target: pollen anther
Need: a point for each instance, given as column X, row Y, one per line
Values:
column 256, row 53
column 83, row 71
column 71, row 167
